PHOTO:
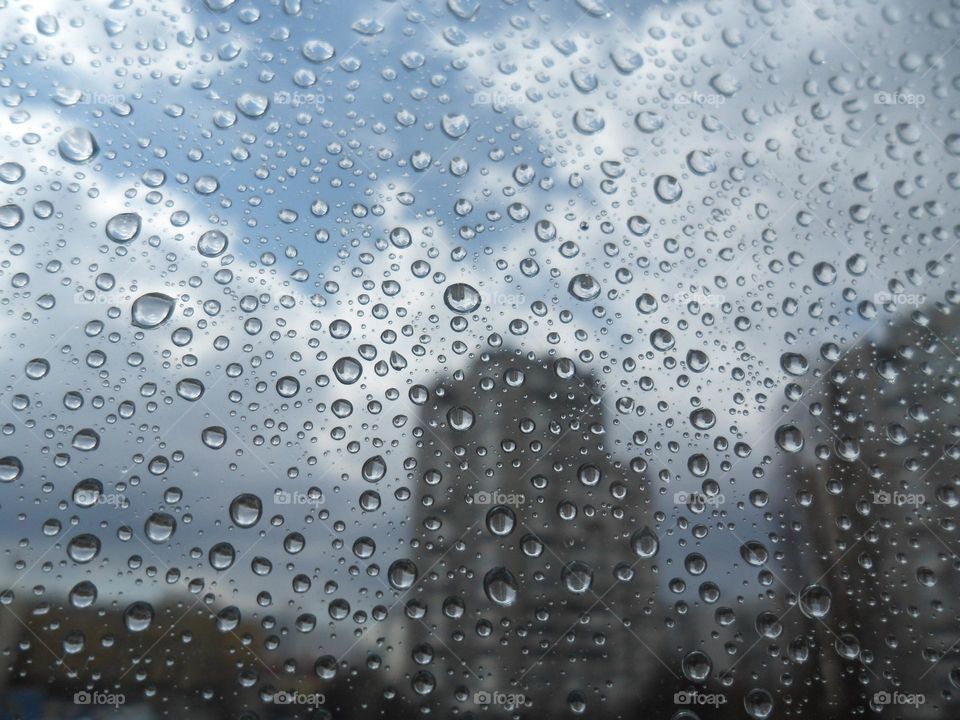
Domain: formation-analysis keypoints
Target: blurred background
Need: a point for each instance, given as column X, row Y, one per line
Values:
column 410, row 358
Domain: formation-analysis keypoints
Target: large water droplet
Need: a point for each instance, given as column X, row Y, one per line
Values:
column 588, row 121
column 455, row 125
column 78, row 145
column 253, row 105
column 83, row 548
column 10, row 216
column 789, row 438
column 347, row 370
column 159, row 527
column 374, row 469
column 501, row 587
column 577, row 577
column 317, row 51
column 815, row 601
column 584, row 287
column 696, row 666
column 245, row 510
column 152, row 310
column 645, row 543
column 221, row 556
column 402, row 574
column 124, row 227
column 667, row 188
column 461, row 298
column 138, row 616
column 10, row 469
column 212, row 243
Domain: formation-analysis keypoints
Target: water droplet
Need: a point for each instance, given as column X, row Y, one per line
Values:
column 460, row 418
column 10, row 469
column 83, row 594
column 700, row 162
column 86, row 493
column 190, row 389
column 696, row 666
column 159, row 527
column 588, row 121
column 500, row 586
column 37, row 369
column 10, row 216
column 83, row 548
column 815, row 601
column 222, row 556
column 648, row 121
column 758, row 703
column 288, row 386
column 501, row 520
column 577, row 577
column 402, row 574
column 374, row 469
column 461, row 298
column 245, row 510
column 455, row 125
column 253, row 105
column 347, row 370
column 584, row 287
column 662, row 339
column 152, row 310
column 645, row 543
column 86, row 440
column 754, row 553
column 212, row 243
column 124, row 227
column 667, row 188
column 794, row 364
column 317, row 51
column 78, row 146
column 138, row 616
column 789, row 438
column 214, row 437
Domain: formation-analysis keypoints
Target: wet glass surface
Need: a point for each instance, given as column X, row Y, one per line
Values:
column 460, row 359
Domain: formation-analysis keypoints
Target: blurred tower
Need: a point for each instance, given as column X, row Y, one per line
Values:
column 879, row 516
column 523, row 520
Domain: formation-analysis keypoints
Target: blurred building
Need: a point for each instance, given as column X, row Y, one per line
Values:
column 879, row 526
column 522, row 538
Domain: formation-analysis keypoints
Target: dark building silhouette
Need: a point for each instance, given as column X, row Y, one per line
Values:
column 879, row 522
column 524, row 522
